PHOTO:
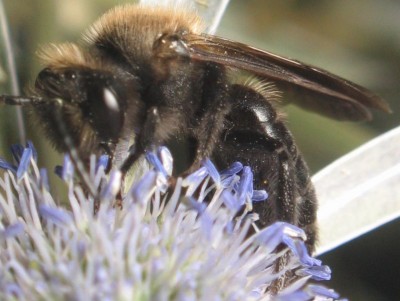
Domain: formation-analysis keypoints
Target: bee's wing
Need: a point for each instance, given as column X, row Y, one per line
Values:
column 359, row 192
column 310, row 87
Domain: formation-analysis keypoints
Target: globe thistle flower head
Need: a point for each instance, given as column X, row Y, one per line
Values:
column 186, row 242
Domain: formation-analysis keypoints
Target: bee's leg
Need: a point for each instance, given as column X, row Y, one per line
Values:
column 280, row 183
column 296, row 201
column 210, row 123
column 146, row 140
column 287, row 180
column 307, row 208
column 142, row 143
column 212, row 88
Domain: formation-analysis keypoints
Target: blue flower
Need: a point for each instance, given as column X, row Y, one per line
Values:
column 161, row 245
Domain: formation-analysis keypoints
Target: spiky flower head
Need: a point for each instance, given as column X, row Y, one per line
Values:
column 166, row 243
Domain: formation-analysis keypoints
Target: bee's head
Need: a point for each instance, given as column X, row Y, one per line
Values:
column 91, row 95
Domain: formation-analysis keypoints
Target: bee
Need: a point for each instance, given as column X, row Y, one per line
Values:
column 144, row 77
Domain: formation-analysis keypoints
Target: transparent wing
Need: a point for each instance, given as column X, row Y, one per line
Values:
column 211, row 11
column 359, row 192
column 311, row 87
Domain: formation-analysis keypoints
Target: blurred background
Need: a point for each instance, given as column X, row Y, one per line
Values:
column 356, row 39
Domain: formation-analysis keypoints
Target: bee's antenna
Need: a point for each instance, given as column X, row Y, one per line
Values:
column 20, row 100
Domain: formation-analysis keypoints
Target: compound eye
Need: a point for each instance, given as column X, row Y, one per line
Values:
column 45, row 74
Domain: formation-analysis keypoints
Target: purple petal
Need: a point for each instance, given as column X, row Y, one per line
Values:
column 212, row 171
column 321, row 291
column 56, row 215
column 259, row 195
column 197, row 206
column 24, row 163
column 196, row 177
column 277, row 233
column 142, row 188
column 231, row 201
column 205, row 219
column 16, row 151
column 318, row 273
column 252, row 216
column 67, row 171
column 235, row 168
column 14, row 290
column 245, row 187
column 230, row 226
column 206, row 224
column 102, row 162
column 12, row 230
column 44, row 179
column 7, row 166
column 271, row 236
column 299, row 249
column 113, row 185
column 162, row 182
column 293, row 231
column 166, row 159
column 30, row 145
column 153, row 160
column 227, row 182
column 295, row 296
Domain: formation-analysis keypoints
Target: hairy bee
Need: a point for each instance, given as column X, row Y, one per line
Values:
column 148, row 76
